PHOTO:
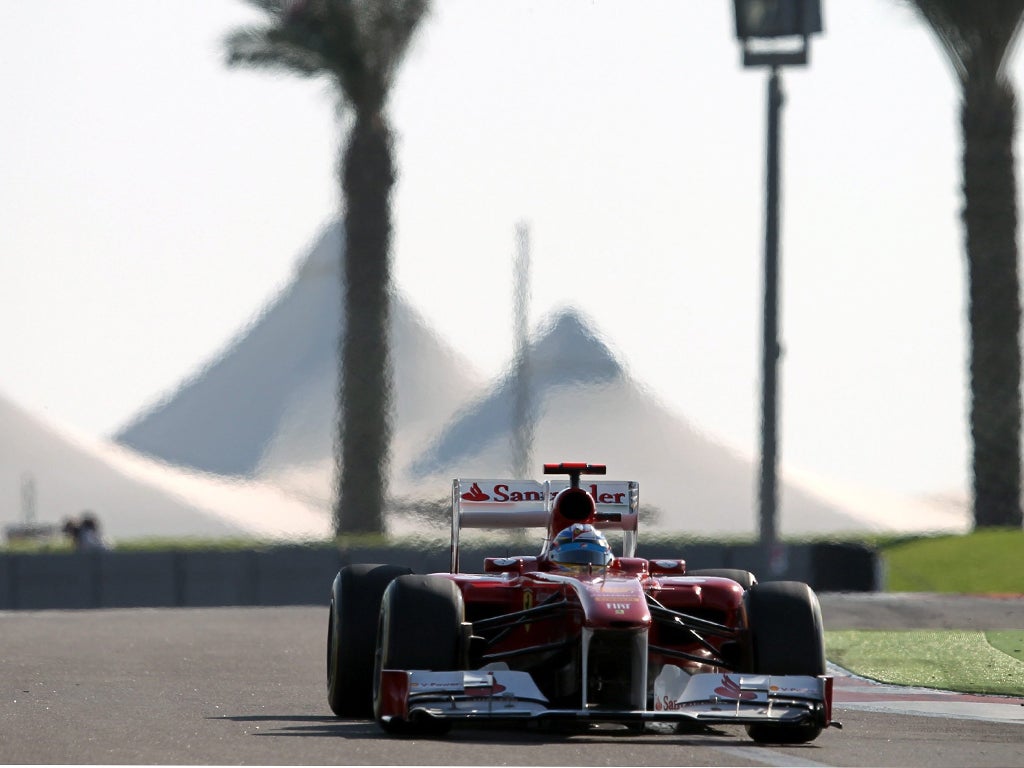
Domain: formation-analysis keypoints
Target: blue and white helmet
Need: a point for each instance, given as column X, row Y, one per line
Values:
column 581, row 544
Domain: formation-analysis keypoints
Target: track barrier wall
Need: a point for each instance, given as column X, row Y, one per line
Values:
column 302, row 575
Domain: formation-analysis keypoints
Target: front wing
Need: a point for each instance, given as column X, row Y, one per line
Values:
column 504, row 695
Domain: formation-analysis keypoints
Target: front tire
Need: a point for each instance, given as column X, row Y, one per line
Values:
column 785, row 637
column 351, row 636
column 420, row 628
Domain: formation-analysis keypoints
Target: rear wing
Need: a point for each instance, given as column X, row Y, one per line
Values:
column 487, row 503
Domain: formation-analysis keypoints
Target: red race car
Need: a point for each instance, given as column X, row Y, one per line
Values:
column 575, row 633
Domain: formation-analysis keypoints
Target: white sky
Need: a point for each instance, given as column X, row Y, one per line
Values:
column 154, row 200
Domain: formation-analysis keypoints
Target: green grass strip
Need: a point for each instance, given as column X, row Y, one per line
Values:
column 985, row 561
column 1010, row 642
column 951, row 660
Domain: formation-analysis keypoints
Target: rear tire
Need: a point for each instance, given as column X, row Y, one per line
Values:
column 420, row 628
column 744, row 578
column 352, row 634
column 786, row 637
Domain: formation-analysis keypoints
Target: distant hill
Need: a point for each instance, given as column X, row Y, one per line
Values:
column 132, row 496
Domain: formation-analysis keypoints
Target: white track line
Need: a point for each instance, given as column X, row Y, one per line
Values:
column 770, row 757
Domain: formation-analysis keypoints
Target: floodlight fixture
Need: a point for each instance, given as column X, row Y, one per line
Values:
column 776, row 32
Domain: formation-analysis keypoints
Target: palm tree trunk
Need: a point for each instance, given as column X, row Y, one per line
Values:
column 364, row 426
column 990, row 219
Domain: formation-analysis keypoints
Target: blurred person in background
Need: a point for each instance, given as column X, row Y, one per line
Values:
column 85, row 532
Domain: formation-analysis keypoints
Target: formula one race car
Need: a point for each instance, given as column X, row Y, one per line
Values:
column 574, row 634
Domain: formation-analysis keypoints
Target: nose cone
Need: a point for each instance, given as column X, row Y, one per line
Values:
column 612, row 603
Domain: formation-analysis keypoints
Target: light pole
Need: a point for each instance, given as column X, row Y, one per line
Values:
column 522, row 413
column 773, row 33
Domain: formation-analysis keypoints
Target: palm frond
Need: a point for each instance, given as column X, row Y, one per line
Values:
column 275, row 8
column 386, row 29
column 328, row 28
column 262, row 47
column 978, row 37
column 360, row 43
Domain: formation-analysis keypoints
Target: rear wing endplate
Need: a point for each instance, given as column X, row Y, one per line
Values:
column 488, row 503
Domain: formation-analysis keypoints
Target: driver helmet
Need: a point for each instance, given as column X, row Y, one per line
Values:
column 578, row 546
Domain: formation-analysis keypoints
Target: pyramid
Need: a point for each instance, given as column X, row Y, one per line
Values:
column 266, row 405
column 589, row 409
column 568, row 355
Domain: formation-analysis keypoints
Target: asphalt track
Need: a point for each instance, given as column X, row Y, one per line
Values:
column 235, row 686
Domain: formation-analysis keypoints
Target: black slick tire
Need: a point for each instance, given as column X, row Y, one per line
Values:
column 786, row 637
column 351, row 636
column 420, row 629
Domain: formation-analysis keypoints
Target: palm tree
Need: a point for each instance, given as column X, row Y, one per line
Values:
column 358, row 45
column 978, row 38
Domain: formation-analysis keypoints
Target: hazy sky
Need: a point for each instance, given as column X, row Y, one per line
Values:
column 153, row 201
